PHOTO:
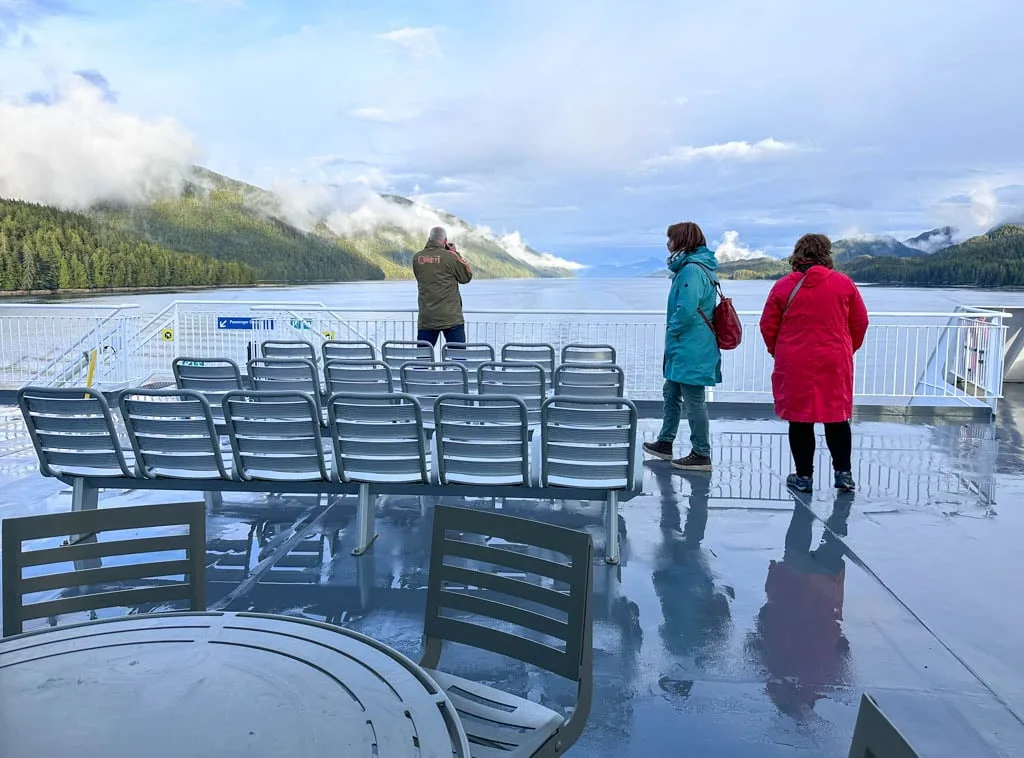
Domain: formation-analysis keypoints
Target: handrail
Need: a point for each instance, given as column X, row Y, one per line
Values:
column 93, row 334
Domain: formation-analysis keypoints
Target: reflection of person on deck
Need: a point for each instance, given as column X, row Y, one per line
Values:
column 799, row 639
column 695, row 607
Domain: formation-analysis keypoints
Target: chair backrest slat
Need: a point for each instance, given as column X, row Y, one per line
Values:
column 588, row 442
column 210, row 376
column 173, row 433
column 363, row 376
column 468, row 450
column 72, row 431
column 280, row 439
column 98, row 586
column 378, row 442
column 599, row 354
column 289, row 349
column 479, row 568
column 348, row 350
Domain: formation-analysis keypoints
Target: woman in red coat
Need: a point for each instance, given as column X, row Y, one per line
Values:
column 813, row 323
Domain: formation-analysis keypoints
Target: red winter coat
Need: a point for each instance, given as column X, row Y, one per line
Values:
column 813, row 344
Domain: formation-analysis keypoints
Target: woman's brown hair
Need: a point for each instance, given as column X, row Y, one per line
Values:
column 685, row 237
column 812, row 249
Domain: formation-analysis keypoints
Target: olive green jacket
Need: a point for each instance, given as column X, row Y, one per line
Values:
column 439, row 272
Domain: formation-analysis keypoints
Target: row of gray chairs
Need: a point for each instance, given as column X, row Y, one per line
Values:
column 425, row 380
column 278, row 436
column 397, row 352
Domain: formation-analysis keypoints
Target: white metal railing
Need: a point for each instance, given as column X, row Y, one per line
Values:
column 907, row 357
column 54, row 344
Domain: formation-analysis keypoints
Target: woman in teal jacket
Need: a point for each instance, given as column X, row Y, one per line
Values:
column 692, row 358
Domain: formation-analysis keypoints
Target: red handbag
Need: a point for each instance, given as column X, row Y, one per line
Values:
column 725, row 322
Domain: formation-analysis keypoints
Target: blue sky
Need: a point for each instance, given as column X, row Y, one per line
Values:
column 585, row 126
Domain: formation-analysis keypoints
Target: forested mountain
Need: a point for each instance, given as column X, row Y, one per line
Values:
column 44, row 248
column 753, row 268
column 232, row 220
column 989, row 260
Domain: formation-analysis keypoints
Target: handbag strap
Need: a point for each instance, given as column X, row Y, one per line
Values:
column 792, row 294
column 707, row 272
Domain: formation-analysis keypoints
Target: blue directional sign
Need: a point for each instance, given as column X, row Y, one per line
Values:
column 232, row 322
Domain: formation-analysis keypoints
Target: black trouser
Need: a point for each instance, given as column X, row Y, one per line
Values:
column 838, row 437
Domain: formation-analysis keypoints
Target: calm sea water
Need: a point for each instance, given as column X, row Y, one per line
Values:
column 564, row 294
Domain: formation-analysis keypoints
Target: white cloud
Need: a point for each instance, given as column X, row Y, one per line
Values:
column 81, row 150
column 984, row 205
column 516, row 246
column 383, row 115
column 418, row 41
column 724, row 151
column 730, row 248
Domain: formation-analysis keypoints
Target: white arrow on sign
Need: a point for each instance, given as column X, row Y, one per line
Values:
column 222, row 323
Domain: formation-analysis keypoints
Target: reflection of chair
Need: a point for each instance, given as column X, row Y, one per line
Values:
column 547, row 625
column 874, row 736
column 103, row 587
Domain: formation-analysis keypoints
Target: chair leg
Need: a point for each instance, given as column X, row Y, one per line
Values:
column 84, row 497
column 213, row 499
column 611, row 549
column 365, row 535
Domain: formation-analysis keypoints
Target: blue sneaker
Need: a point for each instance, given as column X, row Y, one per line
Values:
column 800, row 483
column 844, row 481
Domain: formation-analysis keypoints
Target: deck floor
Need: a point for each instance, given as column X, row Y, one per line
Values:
column 742, row 622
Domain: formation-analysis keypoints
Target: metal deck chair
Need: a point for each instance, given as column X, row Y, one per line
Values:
column 348, row 350
column 396, row 352
column 531, row 352
column 289, row 349
column 482, row 440
column 94, row 584
column 275, row 436
column 172, row 433
column 578, row 352
column 428, row 381
column 589, row 380
column 285, row 375
column 548, row 624
column 366, row 377
column 210, row 376
column 470, row 354
column 524, row 380
column 73, row 432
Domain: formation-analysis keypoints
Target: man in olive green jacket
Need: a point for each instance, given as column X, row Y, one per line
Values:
column 439, row 271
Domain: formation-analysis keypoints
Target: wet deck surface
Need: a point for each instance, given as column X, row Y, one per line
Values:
column 741, row 621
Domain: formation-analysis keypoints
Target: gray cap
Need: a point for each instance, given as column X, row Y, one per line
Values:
column 437, row 234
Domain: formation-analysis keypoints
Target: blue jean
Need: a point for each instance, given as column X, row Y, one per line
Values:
column 455, row 333
column 691, row 398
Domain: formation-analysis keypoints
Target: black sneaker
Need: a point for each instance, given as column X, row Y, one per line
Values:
column 660, row 449
column 693, row 462
column 800, row 483
column 844, row 481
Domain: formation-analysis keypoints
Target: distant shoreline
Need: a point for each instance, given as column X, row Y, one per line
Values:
column 16, row 294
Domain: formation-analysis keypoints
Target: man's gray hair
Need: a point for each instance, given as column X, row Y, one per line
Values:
column 437, row 234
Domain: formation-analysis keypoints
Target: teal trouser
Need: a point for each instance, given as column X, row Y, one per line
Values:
column 691, row 396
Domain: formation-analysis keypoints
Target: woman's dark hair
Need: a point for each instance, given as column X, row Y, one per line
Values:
column 812, row 249
column 685, row 237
